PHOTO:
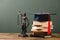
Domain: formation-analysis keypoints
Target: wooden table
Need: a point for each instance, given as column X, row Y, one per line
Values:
column 14, row 36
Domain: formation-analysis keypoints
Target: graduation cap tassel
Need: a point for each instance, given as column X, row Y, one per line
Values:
column 49, row 24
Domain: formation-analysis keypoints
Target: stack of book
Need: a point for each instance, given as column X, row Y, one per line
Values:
column 41, row 26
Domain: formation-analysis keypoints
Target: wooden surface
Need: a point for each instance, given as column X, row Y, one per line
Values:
column 14, row 36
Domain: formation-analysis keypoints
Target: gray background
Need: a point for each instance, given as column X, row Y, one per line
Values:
column 8, row 13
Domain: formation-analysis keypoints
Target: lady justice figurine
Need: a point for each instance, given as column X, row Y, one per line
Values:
column 24, row 24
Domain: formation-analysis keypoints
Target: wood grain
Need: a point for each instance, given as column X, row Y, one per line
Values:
column 14, row 36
